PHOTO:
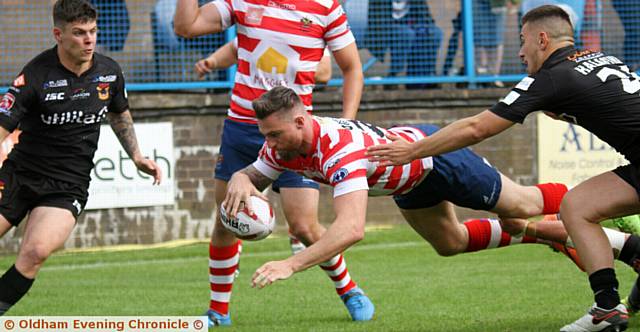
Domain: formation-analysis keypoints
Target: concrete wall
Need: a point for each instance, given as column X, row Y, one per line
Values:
column 197, row 123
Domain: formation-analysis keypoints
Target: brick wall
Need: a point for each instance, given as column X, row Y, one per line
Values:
column 197, row 123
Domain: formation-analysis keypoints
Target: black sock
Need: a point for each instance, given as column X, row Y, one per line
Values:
column 13, row 286
column 605, row 288
column 629, row 253
column 634, row 295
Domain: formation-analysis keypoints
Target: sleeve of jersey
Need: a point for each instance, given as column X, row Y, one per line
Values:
column 225, row 10
column 119, row 102
column 15, row 103
column 347, row 173
column 531, row 94
column 337, row 34
column 267, row 164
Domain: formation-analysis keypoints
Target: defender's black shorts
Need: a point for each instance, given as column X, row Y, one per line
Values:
column 631, row 174
column 23, row 190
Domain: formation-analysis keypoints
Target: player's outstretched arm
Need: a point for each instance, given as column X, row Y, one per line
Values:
column 122, row 125
column 191, row 20
column 348, row 60
column 346, row 230
column 459, row 134
column 3, row 134
column 243, row 184
column 324, row 71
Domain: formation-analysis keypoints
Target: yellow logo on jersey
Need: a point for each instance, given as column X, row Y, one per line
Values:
column 271, row 60
column 103, row 91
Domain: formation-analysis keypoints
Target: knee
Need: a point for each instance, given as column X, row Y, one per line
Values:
column 34, row 255
column 304, row 231
column 570, row 208
column 447, row 251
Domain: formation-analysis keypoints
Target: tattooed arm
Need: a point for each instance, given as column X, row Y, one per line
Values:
column 122, row 125
column 243, row 184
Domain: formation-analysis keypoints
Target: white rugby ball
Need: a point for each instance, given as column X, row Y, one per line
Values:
column 251, row 227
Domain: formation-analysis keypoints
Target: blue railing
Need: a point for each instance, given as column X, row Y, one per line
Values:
column 411, row 42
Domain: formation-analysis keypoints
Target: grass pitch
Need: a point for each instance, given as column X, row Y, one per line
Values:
column 519, row 288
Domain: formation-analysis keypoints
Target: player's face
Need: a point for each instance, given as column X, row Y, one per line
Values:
column 530, row 52
column 77, row 40
column 283, row 134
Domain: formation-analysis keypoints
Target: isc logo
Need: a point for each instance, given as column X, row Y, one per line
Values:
column 54, row 96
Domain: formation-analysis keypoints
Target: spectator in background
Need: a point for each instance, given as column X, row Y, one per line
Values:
column 406, row 28
column 489, row 19
column 629, row 13
column 113, row 24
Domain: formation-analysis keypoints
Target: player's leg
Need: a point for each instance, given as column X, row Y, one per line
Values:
column 47, row 229
column 581, row 210
column 239, row 148
column 300, row 205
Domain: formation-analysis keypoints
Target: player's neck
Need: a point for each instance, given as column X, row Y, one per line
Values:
column 73, row 65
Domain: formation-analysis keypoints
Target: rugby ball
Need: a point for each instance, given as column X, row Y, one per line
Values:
column 251, row 227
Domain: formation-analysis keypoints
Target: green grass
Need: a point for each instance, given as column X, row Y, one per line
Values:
column 521, row 288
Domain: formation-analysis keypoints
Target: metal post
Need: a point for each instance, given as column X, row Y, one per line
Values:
column 469, row 52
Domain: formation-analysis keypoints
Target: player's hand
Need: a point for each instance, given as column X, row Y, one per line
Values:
column 203, row 67
column 239, row 189
column 150, row 167
column 398, row 152
column 271, row 272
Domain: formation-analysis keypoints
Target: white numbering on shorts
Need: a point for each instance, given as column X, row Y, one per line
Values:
column 630, row 80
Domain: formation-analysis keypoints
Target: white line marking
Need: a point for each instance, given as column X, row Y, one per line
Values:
column 204, row 259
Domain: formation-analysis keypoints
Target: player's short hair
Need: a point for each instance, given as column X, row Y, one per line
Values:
column 69, row 11
column 277, row 99
column 554, row 20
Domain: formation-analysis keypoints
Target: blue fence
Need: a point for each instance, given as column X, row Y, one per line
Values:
column 417, row 43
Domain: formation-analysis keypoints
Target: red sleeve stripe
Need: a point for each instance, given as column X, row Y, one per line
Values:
column 337, row 22
column 357, row 155
column 360, row 173
column 337, row 36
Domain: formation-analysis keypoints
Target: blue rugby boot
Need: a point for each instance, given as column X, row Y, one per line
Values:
column 359, row 306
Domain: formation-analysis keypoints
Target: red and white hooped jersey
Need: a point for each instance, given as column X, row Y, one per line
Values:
column 338, row 159
column 280, row 42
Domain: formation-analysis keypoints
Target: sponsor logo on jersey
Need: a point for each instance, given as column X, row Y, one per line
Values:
column 105, row 79
column 254, row 15
column 525, row 83
column 339, row 175
column 306, row 23
column 19, row 81
column 79, row 94
column 272, row 62
column 54, row 96
column 285, row 6
column 55, row 84
column 7, row 103
column 103, row 91
column 74, row 117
